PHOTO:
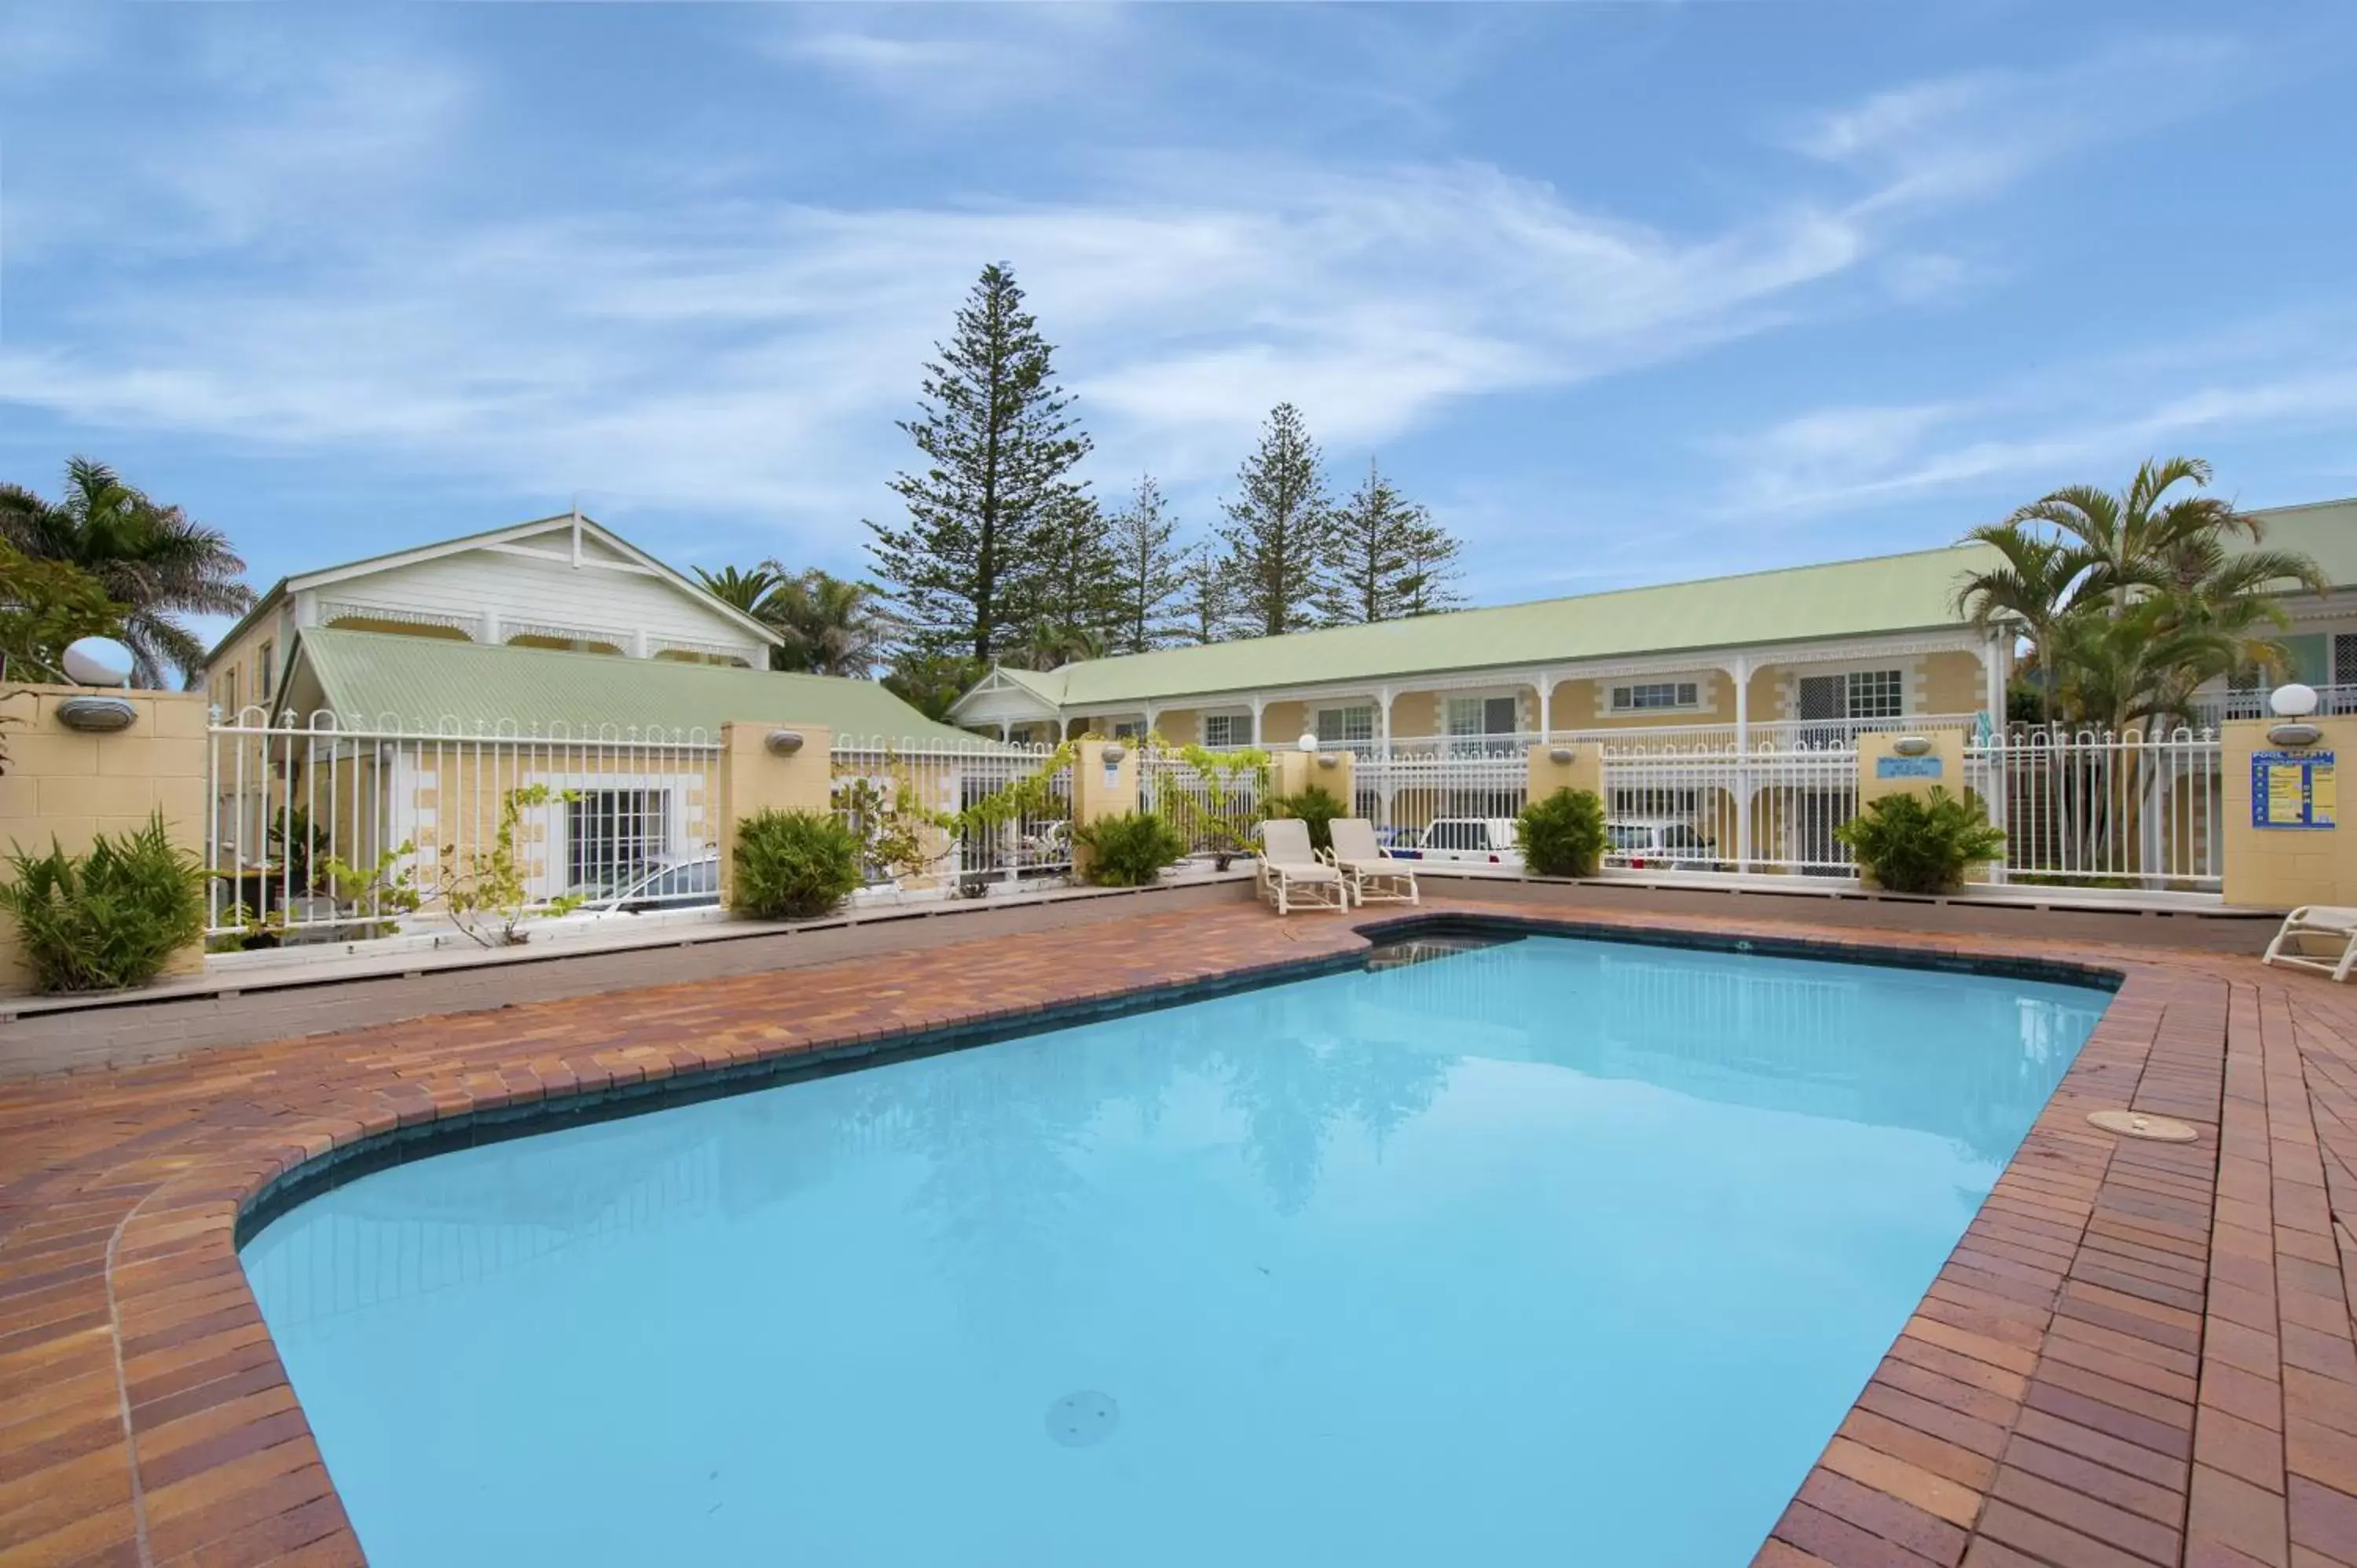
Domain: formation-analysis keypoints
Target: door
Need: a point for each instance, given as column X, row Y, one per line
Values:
column 1825, row 697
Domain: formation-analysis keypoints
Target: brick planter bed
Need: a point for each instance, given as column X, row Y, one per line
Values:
column 2138, row 1353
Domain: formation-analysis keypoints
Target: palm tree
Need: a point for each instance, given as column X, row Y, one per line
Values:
column 149, row 559
column 1051, row 645
column 831, row 625
column 745, row 591
column 2035, row 587
column 2125, row 540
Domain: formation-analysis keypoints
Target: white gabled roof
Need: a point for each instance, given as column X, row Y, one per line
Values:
column 576, row 529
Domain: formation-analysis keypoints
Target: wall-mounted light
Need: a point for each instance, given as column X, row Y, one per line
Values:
column 1912, row 746
column 1329, row 759
column 783, row 741
column 1115, row 751
column 1309, row 741
column 97, row 716
column 2292, row 703
column 1560, row 754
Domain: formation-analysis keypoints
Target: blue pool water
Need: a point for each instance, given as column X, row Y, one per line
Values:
column 1556, row 1251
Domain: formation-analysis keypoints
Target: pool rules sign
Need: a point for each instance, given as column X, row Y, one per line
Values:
column 2292, row 789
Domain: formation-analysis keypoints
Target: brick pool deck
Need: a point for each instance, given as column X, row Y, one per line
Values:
column 2139, row 1353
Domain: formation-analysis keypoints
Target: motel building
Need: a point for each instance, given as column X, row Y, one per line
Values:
column 1774, row 668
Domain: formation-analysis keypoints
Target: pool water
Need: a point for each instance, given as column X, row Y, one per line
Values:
column 1559, row 1251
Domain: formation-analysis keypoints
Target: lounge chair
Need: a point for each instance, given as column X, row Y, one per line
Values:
column 1371, row 876
column 1291, row 873
column 2319, row 937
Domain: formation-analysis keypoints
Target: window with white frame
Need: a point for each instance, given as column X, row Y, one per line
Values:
column 1227, row 729
column 1877, row 693
column 1340, row 727
column 1483, row 716
column 1649, row 695
column 612, row 836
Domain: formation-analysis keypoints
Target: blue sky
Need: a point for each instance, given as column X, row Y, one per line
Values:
column 1626, row 292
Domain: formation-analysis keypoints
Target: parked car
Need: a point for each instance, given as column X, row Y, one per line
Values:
column 681, row 884
column 1478, row 841
column 1661, row 842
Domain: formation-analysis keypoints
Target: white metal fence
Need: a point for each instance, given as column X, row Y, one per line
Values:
column 1403, row 795
column 962, row 814
column 1709, row 808
column 329, row 829
column 2098, row 808
column 1214, row 810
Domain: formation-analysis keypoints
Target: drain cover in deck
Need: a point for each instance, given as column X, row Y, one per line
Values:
column 2136, row 1125
column 1076, row 1420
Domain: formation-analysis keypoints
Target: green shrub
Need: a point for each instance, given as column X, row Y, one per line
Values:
column 1561, row 835
column 110, row 919
column 1911, row 845
column 1129, row 850
column 793, row 866
column 1316, row 806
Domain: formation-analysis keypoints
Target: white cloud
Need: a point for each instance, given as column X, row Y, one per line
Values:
column 1841, row 460
column 1968, row 135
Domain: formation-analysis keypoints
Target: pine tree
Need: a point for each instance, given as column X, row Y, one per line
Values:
column 1072, row 583
column 999, row 442
column 1368, row 554
column 1152, row 573
column 1206, row 599
column 1275, row 536
column 1428, row 586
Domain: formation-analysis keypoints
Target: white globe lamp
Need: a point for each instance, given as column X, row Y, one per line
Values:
column 97, row 662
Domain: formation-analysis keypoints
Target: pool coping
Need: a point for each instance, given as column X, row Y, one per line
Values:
column 2086, row 1292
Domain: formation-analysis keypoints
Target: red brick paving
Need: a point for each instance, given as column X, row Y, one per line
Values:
column 2138, row 1353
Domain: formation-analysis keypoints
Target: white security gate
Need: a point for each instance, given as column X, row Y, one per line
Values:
column 2098, row 808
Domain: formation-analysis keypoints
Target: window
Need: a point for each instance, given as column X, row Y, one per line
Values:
column 1227, row 729
column 1483, row 715
column 1128, row 729
column 1877, row 695
column 267, row 675
column 1656, row 694
column 229, row 693
column 612, row 836
column 2345, row 659
column 1340, row 727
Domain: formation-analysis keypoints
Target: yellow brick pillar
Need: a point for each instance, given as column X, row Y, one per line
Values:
column 1336, row 772
column 1579, row 767
column 73, row 785
column 1883, row 769
column 1105, row 784
column 2272, row 866
column 757, row 776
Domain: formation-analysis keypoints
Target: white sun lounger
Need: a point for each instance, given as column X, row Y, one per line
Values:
column 1291, row 873
column 2318, row 937
column 1371, row 876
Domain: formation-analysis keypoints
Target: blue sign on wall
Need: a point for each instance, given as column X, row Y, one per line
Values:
column 2293, row 789
column 1907, row 768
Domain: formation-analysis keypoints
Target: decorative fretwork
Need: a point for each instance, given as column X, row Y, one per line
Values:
column 709, row 652
column 516, row 631
column 334, row 612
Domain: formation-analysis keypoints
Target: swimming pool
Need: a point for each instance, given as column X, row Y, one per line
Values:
column 1561, row 1249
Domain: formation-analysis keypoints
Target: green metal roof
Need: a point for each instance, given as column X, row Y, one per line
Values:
column 1845, row 598
column 1881, row 595
column 382, row 678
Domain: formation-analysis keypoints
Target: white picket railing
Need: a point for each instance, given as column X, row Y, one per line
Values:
column 328, row 828
column 943, row 794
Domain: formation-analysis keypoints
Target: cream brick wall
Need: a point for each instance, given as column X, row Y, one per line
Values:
column 71, row 787
column 753, row 778
column 2286, row 867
